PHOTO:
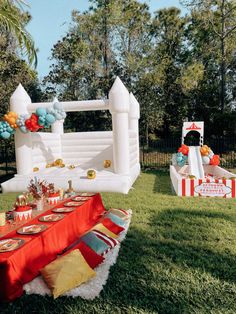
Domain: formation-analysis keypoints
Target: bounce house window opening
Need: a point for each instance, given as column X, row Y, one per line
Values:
column 193, row 138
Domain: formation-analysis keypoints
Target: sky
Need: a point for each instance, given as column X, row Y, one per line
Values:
column 51, row 20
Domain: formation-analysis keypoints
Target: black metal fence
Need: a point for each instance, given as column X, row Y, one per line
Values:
column 157, row 154
column 7, row 159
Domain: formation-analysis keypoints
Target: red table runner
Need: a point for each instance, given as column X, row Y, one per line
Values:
column 22, row 265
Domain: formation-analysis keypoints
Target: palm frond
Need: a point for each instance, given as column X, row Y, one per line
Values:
column 13, row 23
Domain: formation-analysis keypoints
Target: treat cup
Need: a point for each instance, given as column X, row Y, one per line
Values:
column 22, row 213
column 53, row 199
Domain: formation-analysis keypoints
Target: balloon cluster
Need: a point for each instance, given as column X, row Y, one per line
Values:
column 11, row 118
column 6, row 130
column 184, row 149
column 208, row 157
column 42, row 118
column 181, row 157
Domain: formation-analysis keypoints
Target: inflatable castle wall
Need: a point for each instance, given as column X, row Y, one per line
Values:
column 85, row 150
column 194, row 170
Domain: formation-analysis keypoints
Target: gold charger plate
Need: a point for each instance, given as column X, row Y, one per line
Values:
column 87, row 194
column 73, row 204
column 51, row 217
column 32, row 229
column 8, row 245
column 80, row 198
column 63, row 209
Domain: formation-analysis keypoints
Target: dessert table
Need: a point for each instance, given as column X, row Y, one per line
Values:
column 21, row 265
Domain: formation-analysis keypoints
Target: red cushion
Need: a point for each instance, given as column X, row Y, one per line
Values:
column 109, row 224
column 91, row 257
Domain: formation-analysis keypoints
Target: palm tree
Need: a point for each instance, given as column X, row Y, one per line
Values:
column 12, row 21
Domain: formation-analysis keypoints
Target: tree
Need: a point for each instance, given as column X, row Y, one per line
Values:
column 12, row 22
column 93, row 52
column 14, row 70
column 166, row 62
column 218, row 19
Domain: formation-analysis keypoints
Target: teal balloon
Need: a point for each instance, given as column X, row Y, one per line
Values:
column 9, row 129
column 41, row 111
column 41, row 120
column 181, row 159
column 50, row 118
column 5, row 135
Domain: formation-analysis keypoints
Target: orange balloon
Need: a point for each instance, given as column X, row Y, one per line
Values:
column 205, row 150
column 11, row 118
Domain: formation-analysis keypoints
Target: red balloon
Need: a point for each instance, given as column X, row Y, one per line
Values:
column 184, row 149
column 32, row 123
column 215, row 160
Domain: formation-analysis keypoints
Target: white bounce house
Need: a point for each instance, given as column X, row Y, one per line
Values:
column 198, row 178
column 85, row 150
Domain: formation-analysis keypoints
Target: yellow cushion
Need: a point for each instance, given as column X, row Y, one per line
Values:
column 67, row 272
column 102, row 228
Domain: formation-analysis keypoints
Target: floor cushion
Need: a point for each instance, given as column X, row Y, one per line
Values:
column 67, row 272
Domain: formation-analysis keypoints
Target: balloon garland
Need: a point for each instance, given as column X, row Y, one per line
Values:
column 208, row 157
column 42, row 118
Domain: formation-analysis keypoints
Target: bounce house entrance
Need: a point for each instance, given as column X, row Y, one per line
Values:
column 192, row 138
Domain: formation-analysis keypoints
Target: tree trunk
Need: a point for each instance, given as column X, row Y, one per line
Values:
column 105, row 56
column 222, row 67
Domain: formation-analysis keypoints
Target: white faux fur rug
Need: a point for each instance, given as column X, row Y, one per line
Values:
column 92, row 288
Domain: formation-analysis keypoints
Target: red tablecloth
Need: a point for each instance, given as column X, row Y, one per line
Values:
column 22, row 265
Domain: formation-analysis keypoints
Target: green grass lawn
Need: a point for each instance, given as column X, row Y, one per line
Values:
column 179, row 257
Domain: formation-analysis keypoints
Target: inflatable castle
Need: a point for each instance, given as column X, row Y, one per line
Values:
column 195, row 170
column 112, row 155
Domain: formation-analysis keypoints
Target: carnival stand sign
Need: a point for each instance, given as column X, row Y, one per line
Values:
column 212, row 189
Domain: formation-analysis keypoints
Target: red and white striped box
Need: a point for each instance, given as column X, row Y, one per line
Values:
column 204, row 187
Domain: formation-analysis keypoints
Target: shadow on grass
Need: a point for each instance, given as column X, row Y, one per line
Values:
column 145, row 277
column 151, row 274
column 162, row 182
column 4, row 178
column 192, row 238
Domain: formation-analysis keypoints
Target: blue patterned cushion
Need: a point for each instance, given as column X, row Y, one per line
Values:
column 95, row 243
column 117, row 220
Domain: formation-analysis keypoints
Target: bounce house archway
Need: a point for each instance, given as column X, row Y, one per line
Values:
column 197, row 126
column 86, row 150
column 192, row 138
